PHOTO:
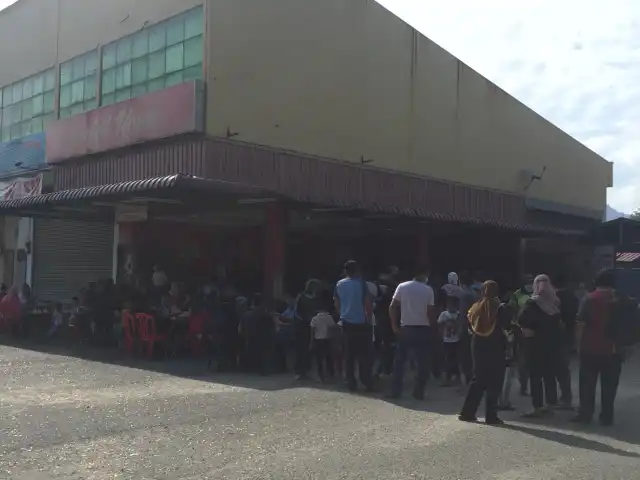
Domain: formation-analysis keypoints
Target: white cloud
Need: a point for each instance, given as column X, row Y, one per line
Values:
column 575, row 63
column 5, row 3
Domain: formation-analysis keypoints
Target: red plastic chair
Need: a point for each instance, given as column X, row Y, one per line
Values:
column 129, row 330
column 148, row 334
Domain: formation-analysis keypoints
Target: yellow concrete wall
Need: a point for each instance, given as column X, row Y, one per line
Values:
column 34, row 34
column 347, row 79
column 343, row 79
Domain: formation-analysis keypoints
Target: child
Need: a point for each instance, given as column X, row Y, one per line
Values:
column 451, row 328
column 321, row 329
column 57, row 319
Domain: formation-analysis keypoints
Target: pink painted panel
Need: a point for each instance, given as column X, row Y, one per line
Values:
column 166, row 113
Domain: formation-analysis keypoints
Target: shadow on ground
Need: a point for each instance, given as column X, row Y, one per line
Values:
column 438, row 400
column 626, row 429
column 571, row 440
column 445, row 401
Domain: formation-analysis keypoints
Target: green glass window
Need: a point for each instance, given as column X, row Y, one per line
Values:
column 26, row 106
column 157, row 57
column 78, row 84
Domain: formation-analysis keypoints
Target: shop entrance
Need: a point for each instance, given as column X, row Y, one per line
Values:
column 318, row 247
column 195, row 253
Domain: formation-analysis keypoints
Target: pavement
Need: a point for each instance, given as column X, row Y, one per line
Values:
column 96, row 416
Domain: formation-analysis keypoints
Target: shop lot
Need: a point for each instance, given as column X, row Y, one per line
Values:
column 69, row 418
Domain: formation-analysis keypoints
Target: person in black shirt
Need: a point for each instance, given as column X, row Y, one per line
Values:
column 539, row 320
column 568, row 314
column 467, row 299
column 258, row 328
column 384, row 336
column 488, row 319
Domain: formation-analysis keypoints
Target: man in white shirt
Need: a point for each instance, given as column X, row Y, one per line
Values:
column 412, row 312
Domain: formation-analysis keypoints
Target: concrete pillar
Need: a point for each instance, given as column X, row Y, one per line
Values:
column 30, row 226
column 114, row 255
column 275, row 228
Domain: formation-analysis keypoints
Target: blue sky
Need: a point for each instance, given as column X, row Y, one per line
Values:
column 576, row 63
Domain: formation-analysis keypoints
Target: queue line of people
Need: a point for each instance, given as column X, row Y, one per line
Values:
column 531, row 333
column 607, row 324
column 472, row 333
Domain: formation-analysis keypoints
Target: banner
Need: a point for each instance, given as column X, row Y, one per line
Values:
column 21, row 187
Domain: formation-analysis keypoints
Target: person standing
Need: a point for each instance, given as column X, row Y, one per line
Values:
column 488, row 319
column 411, row 311
column 599, row 355
column 306, row 307
column 450, row 325
column 467, row 298
column 511, row 370
column 322, row 327
column 516, row 303
column 384, row 336
column 452, row 287
column 258, row 328
column 539, row 321
column 355, row 305
column 568, row 313
column 438, row 355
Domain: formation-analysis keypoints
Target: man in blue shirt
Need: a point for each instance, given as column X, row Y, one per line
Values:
column 355, row 305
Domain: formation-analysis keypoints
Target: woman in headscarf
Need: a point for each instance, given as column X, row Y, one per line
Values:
column 488, row 319
column 452, row 288
column 539, row 320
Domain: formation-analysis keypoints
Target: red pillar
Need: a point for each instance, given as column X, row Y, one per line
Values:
column 274, row 249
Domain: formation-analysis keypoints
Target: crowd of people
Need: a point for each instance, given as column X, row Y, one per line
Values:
column 474, row 334
column 465, row 332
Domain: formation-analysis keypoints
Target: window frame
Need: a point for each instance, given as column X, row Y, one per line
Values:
column 78, row 84
column 146, row 55
column 35, row 108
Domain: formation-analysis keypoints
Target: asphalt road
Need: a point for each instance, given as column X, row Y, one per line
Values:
column 63, row 417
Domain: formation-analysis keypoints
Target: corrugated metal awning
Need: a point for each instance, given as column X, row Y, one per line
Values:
column 499, row 224
column 99, row 200
column 149, row 185
column 185, row 184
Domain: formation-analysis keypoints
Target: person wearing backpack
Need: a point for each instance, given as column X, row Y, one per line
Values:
column 601, row 319
column 354, row 304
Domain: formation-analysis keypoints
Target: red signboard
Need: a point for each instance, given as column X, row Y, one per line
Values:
column 172, row 111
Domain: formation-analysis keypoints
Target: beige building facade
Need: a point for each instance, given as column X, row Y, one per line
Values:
column 347, row 81
column 303, row 121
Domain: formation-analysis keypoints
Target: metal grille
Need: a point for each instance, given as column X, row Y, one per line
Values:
column 68, row 255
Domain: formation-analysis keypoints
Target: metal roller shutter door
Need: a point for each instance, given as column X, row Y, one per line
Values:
column 67, row 255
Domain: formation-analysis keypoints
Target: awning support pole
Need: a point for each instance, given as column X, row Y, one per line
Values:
column 274, row 249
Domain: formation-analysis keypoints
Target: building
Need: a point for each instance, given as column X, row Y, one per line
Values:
column 297, row 127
